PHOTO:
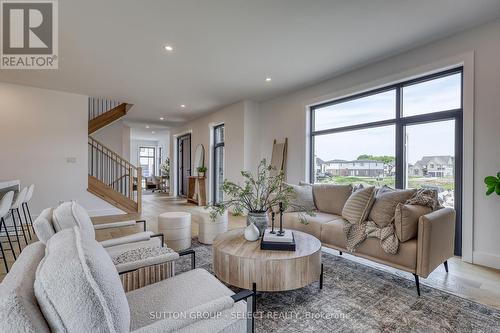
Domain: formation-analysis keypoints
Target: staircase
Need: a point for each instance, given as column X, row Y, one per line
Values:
column 110, row 176
column 103, row 112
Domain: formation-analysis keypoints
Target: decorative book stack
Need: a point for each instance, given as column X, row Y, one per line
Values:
column 278, row 240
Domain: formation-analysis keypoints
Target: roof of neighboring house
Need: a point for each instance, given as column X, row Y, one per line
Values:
column 446, row 159
column 366, row 161
column 336, row 161
column 319, row 161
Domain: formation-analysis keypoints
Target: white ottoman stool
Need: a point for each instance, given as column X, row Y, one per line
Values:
column 208, row 229
column 176, row 228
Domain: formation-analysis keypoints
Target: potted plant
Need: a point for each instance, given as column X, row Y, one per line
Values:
column 492, row 184
column 201, row 171
column 257, row 196
column 165, row 169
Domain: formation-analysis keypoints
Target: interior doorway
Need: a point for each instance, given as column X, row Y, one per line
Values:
column 183, row 163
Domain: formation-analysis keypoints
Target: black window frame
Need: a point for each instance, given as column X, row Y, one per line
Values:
column 214, row 149
column 400, row 122
column 148, row 157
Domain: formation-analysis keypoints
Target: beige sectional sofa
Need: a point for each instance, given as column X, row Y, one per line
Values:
column 420, row 255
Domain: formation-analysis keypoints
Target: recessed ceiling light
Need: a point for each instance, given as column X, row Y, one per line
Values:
column 147, row 126
column 161, row 118
column 183, row 106
column 268, row 79
column 153, row 132
column 169, row 48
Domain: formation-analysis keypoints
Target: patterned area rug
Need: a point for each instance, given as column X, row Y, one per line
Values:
column 358, row 298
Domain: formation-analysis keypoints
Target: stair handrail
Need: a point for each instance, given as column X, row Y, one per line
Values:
column 109, row 152
column 125, row 169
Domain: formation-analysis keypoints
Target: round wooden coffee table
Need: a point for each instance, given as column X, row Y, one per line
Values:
column 241, row 263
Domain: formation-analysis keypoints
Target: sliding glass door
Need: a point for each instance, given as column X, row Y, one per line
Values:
column 407, row 135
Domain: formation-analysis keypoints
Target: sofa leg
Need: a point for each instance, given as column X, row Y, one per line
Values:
column 417, row 284
column 340, row 252
column 446, row 266
column 321, row 278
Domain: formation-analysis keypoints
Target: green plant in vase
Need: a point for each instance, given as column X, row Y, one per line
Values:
column 201, row 171
column 258, row 195
column 492, row 184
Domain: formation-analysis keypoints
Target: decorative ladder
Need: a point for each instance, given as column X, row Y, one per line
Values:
column 110, row 176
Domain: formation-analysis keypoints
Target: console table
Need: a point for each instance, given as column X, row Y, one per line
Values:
column 197, row 192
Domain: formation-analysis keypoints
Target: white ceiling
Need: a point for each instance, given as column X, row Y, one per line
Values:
column 224, row 49
column 148, row 131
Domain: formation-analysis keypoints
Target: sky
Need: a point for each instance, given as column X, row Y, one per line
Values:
column 422, row 140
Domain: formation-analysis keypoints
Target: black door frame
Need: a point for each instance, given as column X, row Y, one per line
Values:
column 180, row 163
column 400, row 123
column 214, row 173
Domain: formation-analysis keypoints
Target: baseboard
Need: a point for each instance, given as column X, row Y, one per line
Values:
column 486, row 259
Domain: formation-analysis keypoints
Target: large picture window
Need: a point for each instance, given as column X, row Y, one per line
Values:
column 407, row 135
column 147, row 161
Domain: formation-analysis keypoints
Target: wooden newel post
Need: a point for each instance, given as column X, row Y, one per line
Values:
column 139, row 189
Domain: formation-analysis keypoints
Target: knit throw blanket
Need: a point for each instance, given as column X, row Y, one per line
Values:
column 357, row 233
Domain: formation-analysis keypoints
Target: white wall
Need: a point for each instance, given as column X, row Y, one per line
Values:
column 286, row 117
column 251, row 123
column 116, row 137
column 39, row 130
column 239, row 119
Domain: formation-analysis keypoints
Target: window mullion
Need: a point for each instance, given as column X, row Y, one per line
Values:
column 400, row 142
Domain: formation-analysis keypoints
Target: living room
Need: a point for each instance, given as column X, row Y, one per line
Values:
column 267, row 166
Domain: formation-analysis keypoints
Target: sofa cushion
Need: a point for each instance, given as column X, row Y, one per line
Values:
column 313, row 226
column 43, row 225
column 181, row 293
column 358, row 205
column 303, row 198
column 330, row 198
column 384, row 208
column 19, row 311
column 116, row 250
column 71, row 214
column 406, row 220
column 332, row 234
column 78, row 288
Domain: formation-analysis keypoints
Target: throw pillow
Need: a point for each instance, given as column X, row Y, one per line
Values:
column 330, row 198
column 78, row 288
column 303, row 198
column 70, row 214
column 387, row 199
column 406, row 220
column 358, row 205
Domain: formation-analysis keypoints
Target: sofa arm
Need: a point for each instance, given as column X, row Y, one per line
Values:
column 120, row 224
column 138, row 237
column 436, row 240
column 189, row 317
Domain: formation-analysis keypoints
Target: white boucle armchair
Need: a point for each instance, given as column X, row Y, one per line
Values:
column 71, row 285
column 141, row 258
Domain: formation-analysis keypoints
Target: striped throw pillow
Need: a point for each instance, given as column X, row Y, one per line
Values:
column 357, row 207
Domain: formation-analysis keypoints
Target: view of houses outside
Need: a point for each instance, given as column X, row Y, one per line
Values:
column 435, row 172
column 423, row 170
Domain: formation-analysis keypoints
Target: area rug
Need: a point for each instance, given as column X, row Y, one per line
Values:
column 358, row 298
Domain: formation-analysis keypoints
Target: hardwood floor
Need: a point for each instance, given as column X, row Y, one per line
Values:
column 480, row 284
